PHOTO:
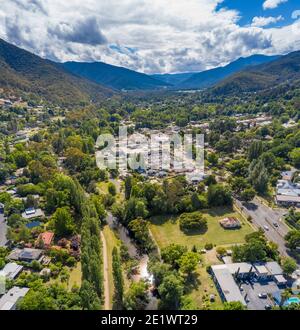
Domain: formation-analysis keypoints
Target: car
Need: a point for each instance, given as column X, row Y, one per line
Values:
column 263, row 296
column 275, row 224
column 268, row 307
column 266, row 228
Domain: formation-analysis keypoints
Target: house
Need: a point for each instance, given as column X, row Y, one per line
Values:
column 226, row 285
column 287, row 192
column 27, row 255
column 12, row 270
column 32, row 213
column 230, row 223
column 262, row 272
column 242, row 270
column 10, row 300
column 47, row 239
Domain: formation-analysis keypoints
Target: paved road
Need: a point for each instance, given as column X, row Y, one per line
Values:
column 262, row 216
column 3, row 230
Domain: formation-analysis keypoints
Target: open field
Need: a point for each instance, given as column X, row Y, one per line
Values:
column 201, row 290
column 166, row 231
column 75, row 276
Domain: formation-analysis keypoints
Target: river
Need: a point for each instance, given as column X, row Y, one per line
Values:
column 143, row 259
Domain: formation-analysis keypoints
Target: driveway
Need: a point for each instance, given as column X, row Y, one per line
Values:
column 264, row 216
column 3, row 230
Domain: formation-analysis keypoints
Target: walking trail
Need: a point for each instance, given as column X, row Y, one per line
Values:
column 105, row 268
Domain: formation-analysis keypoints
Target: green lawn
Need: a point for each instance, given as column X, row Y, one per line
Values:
column 75, row 276
column 166, row 231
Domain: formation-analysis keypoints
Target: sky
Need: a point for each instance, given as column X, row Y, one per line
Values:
column 152, row 36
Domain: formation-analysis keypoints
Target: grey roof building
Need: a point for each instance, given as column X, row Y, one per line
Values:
column 26, row 254
column 12, row 297
column 226, row 285
column 12, row 270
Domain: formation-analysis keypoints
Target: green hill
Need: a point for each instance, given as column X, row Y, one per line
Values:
column 22, row 72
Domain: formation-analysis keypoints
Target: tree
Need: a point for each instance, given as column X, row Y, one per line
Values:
column 188, row 262
column 190, row 222
column 293, row 239
column 172, row 254
column 171, row 292
column 255, row 150
column 63, row 222
column 118, row 278
column 289, row 265
column 234, row 305
column 248, row 194
column 136, row 298
column 258, row 176
column 213, row 159
column 89, row 298
column 128, row 187
column 112, row 189
column 219, row 195
column 139, row 229
column 295, row 157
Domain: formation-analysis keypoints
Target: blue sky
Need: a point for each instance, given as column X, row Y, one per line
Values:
column 251, row 8
column 152, row 36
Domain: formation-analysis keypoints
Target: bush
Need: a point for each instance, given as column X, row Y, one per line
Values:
column 209, row 246
column 190, row 222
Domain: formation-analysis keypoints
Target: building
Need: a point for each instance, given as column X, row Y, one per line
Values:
column 32, row 213
column 226, row 285
column 287, row 192
column 47, row 239
column 26, row 255
column 242, row 270
column 12, row 270
column 230, row 223
column 10, row 300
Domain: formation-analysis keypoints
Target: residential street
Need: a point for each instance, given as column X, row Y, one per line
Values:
column 265, row 217
column 3, row 229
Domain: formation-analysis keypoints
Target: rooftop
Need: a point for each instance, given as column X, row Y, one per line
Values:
column 11, row 298
column 12, row 270
column 227, row 284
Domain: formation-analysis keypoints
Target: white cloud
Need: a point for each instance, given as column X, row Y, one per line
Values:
column 271, row 4
column 260, row 21
column 144, row 35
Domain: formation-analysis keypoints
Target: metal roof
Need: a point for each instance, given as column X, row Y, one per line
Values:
column 227, row 284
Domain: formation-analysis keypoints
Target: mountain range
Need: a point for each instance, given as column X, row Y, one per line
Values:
column 113, row 76
column 74, row 83
column 25, row 72
column 124, row 79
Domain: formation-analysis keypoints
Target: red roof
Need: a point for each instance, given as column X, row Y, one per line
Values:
column 47, row 237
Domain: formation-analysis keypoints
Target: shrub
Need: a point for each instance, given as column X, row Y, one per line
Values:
column 190, row 222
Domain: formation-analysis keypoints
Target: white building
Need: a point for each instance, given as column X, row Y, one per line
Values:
column 10, row 300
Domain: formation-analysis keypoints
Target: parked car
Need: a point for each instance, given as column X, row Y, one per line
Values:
column 266, row 228
column 263, row 296
column 275, row 224
column 268, row 307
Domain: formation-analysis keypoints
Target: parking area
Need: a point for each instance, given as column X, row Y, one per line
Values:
column 251, row 292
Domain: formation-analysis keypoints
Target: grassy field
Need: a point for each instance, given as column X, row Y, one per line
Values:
column 202, row 288
column 111, row 241
column 75, row 276
column 166, row 231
